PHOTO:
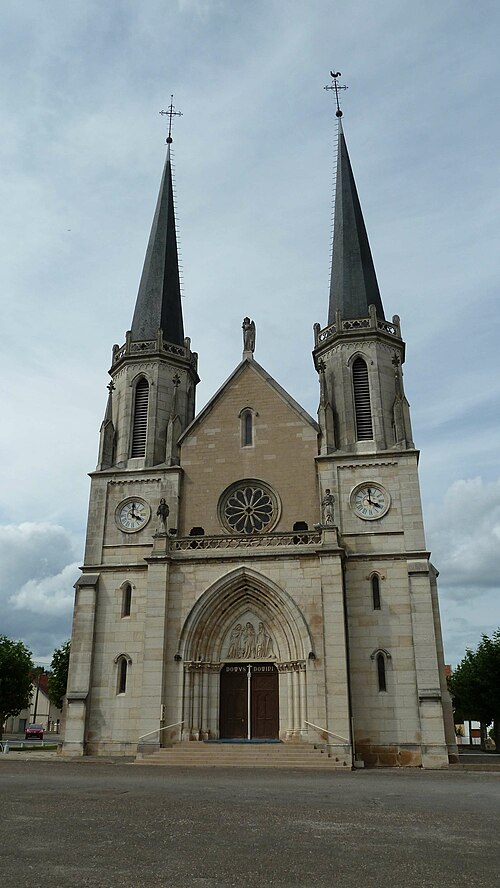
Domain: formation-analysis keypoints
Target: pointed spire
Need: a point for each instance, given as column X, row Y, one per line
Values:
column 107, row 434
column 158, row 303
column 353, row 285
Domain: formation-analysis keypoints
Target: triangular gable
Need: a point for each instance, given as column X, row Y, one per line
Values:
column 254, row 365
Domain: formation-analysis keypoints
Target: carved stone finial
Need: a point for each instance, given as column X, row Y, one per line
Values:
column 248, row 328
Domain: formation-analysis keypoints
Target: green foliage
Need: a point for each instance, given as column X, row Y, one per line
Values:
column 475, row 683
column 58, row 679
column 16, row 669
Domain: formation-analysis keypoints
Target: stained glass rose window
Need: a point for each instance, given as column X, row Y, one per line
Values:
column 248, row 507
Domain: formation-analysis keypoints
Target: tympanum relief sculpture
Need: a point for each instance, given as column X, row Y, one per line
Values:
column 247, row 643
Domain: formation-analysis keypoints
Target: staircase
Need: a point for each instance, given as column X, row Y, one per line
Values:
column 194, row 753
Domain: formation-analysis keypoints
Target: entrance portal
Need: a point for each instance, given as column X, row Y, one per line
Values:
column 249, row 702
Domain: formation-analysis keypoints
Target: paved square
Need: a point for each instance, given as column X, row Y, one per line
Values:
column 118, row 824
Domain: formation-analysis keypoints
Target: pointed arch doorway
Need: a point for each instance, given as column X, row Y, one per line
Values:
column 244, row 647
column 249, row 702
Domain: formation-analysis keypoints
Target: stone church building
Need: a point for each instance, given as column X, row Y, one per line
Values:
column 252, row 573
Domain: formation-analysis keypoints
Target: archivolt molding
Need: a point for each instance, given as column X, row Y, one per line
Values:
column 143, row 372
column 223, row 604
column 380, row 651
column 123, row 656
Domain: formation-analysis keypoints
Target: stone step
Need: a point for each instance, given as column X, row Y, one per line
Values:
column 228, row 755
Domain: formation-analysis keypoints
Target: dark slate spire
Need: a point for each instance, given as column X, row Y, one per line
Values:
column 353, row 285
column 159, row 299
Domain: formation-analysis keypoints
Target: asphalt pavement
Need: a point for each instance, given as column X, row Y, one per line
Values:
column 121, row 825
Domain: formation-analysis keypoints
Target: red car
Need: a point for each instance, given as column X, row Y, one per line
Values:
column 34, row 731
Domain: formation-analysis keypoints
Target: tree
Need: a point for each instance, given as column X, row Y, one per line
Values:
column 488, row 665
column 16, row 668
column 475, row 684
column 58, row 679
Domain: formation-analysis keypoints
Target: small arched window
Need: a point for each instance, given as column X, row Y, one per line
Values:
column 376, row 591
column 122, row 675
column 382, row 682
column 140, row 424
column 126, row 599
column 362, row 405
column 381, row 658
column 247, row 428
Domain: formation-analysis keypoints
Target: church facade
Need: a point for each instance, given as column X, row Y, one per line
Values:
column 252, row 573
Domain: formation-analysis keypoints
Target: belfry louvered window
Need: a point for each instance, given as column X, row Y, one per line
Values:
column 140, row 426
column 362, row 406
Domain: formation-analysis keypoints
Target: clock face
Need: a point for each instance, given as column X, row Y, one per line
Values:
column 370, row 501
column 132, row 514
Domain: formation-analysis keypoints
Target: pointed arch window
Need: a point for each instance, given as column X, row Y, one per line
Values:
column 140, row 425
column 246, row 419
column 122, row 675
column 126, row 600
column 382, row 658
column 362, row 405
column 381, row 676
column 375, row 581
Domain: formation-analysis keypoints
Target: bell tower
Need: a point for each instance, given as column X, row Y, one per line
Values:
column 135, row 493
column 368, row 461
column 359, row 354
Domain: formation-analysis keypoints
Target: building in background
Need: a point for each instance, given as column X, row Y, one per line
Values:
column 40, row 710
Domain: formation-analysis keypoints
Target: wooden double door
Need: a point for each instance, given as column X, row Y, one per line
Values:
column 249, row 702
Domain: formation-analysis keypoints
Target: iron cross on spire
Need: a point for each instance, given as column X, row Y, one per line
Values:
column 170, row 114
column 336, row 86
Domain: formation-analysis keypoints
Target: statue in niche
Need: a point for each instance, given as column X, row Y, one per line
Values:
column 248, row 651
column 248, row 327
column 328, row 503
column 162, row 514
column 234, row 642
column 264, row 645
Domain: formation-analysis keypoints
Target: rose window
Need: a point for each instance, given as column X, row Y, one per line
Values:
column 249, row 507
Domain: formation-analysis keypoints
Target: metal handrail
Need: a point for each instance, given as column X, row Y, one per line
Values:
column 337, row 736
column 157, row 730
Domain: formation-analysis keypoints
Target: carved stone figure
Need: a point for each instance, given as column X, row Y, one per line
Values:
column 234, row 642
column 327, row 503
column 264, row 645
column 248, row 327
column 162, row 514
column 248, row 651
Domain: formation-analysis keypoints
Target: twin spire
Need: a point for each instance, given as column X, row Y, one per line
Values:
column 353, row 283
column 158, row 305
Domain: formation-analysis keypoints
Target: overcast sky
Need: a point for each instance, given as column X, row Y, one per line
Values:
column 81, row 85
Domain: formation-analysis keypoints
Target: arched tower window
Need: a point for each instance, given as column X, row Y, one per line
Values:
column 126, row 599
column 247, row 428
column 122, row 675
column 362, row 405
column 140, row 425
column 375, row 580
